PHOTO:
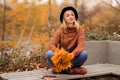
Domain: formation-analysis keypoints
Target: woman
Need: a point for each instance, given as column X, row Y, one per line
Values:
column 70, row 36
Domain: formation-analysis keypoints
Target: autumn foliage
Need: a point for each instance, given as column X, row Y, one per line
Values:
column 15, row 62
column 61, row 60
column 5, row 44
column 28, row 24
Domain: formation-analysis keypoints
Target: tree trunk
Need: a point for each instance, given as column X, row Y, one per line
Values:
column 3, row 28
column 31, row 32
column 21, row 35
column 75, row 3
column 49, row 19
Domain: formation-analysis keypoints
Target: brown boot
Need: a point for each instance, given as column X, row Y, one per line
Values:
column 78, row 70
column 53, row 70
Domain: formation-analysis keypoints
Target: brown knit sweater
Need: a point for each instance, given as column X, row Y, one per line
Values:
column 71, row 40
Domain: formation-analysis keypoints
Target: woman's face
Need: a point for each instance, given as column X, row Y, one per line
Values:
column 69, row 17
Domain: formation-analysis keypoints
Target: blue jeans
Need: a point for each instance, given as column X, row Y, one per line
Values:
column 78, row 61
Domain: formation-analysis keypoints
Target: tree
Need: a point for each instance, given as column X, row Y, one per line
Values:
column 49, row 17
column 76, row 3
column 113, row 24
column 4, row 14
column 1, row 20
column 112, row 6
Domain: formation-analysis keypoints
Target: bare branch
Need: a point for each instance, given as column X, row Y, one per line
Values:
column 110, row 5
column 117, row 2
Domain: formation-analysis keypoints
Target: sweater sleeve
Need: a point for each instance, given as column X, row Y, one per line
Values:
column 81, row 42
column 55, row 40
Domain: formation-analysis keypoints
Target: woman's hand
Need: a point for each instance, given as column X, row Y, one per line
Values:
column 71, row 55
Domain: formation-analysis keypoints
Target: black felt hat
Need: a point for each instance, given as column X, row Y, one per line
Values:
column 68, row 8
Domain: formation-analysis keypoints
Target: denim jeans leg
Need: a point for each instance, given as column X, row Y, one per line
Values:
column 80, row 59
column 49, row 54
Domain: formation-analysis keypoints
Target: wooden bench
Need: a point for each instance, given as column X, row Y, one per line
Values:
column 93, row 70
column 99, row 52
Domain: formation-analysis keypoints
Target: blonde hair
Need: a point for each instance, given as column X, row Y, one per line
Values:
column 64, row 26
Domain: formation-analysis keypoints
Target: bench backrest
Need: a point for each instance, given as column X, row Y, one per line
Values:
column 103, row 52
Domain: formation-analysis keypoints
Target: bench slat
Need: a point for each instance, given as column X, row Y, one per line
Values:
column 93, row 70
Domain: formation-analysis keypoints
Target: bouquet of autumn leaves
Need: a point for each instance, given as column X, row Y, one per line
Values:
column 61, row 60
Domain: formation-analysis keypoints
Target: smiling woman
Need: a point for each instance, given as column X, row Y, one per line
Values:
column 68, row 38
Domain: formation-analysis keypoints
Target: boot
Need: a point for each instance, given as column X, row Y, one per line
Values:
column 78, row 70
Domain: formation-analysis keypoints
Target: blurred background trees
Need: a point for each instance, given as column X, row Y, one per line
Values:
column 32, row 23
column 24, row 20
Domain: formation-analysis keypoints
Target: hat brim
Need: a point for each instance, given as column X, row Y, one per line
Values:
column 66, row 9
